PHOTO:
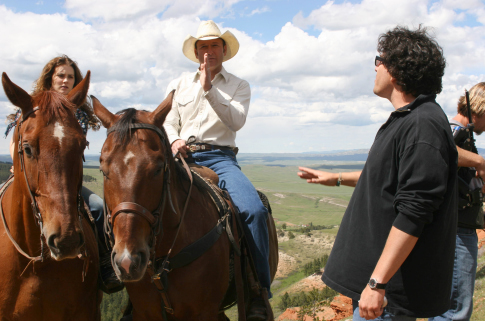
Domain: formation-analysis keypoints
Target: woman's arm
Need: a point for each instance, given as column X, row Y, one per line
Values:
column 327, row 178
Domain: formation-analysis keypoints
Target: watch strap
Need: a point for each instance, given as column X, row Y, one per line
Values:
column 373, row 284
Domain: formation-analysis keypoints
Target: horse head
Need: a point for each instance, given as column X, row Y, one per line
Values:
column 135, row 161
column 49, row 146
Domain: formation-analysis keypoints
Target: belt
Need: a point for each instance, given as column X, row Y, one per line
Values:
column 207, row 147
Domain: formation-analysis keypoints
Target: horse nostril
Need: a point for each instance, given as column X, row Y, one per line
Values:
column 51, row 241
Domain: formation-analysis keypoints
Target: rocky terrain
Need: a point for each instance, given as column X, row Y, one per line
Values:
column 341, row 306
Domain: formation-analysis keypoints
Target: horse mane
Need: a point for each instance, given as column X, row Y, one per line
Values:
column 121, row 128
column 53, row 105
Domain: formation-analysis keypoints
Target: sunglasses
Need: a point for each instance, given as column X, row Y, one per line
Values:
column 378, row 61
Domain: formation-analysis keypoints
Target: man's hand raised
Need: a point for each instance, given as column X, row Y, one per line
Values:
column 205, row 74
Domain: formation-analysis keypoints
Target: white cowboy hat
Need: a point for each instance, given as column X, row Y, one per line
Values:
column 208, row 30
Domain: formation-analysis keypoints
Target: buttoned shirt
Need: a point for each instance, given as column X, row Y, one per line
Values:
column 212, row 116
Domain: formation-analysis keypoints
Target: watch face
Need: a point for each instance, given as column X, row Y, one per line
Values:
column 372, row 283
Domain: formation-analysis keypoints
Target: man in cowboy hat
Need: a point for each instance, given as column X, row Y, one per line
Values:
column 209, row 107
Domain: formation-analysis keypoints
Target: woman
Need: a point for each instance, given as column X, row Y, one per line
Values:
column 61, row 74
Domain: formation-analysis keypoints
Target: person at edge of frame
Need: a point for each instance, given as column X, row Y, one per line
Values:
column 470, row 203
column 394, row 251
column 209, row 107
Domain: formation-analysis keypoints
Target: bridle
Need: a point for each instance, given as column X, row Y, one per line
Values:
column 35, row 208
column 154, row 218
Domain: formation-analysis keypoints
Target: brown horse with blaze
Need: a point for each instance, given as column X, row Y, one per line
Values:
column 143, row 187
column 49, row 261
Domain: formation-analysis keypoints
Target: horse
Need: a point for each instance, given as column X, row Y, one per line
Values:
column 49, row 259
column 146, row 193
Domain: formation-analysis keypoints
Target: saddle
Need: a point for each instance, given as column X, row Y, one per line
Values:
column 205, row 172
column 249, row 286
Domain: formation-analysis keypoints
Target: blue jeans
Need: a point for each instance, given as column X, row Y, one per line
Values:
column 385, row 316
column 464, row 271
column 95, row 205
column 246, row 198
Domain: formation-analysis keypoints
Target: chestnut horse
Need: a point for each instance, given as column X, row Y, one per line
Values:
column 49, row 257
column 142, row 185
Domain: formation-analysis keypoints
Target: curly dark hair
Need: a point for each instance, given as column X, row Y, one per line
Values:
column 414, row 59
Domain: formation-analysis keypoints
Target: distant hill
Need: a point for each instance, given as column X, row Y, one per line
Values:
column 326, row 158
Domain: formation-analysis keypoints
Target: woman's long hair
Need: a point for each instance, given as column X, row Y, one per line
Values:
column 44, row 83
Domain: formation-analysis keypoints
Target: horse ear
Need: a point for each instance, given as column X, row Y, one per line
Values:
column 106, row 117
column 78, row 94
column 158, row 116
column 16, row 95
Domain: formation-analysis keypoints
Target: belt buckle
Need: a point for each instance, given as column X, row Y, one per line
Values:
column 194, row 148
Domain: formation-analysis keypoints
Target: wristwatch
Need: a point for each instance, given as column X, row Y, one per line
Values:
column 374, row 285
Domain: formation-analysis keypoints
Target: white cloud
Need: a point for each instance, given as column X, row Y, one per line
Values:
column 125, row 10
column 315, row 76
column 259, row 11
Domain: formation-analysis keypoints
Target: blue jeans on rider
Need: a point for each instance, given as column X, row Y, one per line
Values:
column 95, row 205
column 385, row 316
column 246, row 198
column 464, row 271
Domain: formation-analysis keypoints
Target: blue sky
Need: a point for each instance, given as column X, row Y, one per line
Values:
column 309, row 63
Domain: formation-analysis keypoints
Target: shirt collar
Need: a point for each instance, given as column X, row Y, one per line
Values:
column 223, row 73
column 415, row 103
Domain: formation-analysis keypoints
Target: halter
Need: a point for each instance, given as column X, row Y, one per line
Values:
column 35, row 209
column 154, row 218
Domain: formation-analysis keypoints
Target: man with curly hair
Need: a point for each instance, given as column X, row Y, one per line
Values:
column 394, row 251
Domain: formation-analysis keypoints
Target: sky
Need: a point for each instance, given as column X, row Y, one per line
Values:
column 310, row 63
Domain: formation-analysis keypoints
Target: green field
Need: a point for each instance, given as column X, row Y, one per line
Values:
column 292, row 199
column 295, row 201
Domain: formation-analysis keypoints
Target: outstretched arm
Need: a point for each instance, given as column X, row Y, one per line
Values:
column 329, row 179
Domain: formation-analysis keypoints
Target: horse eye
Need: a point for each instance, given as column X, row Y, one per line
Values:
column 104, row 174
column 28, row 150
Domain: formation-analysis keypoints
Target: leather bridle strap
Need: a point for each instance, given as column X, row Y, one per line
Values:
column 7, row 230
column 35, row 208
column 140, row 126
column 129, row 207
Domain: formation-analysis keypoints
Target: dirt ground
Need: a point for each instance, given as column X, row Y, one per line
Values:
column 481, row 238
column 340, row 308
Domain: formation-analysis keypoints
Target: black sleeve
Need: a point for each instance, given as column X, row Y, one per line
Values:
column 423, row 180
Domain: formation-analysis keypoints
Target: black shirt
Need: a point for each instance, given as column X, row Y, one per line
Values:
column 409, row 182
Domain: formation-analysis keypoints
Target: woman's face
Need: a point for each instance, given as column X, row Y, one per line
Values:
column 63, row 79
